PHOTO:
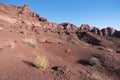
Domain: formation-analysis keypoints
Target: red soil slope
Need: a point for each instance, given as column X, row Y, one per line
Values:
column 73, row 53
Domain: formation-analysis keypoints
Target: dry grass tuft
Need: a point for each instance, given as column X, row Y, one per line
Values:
column 30, row 42
column 1, row 28
column 12, row 45
column 23, row 31
column 94, row 61
column 41, row 62
column 68, row 50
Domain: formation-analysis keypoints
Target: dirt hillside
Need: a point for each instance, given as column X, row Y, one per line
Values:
column 68, row 52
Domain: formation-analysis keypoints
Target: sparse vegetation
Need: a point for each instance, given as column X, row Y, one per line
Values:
column 12, row 45
column 94, row 61
column 74, row 41
column 41, row 62
column 30, row 42
column 23, row 31
column 1, row 28
column 68, row 50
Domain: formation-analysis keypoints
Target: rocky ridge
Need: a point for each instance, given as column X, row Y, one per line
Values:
column 23, row 16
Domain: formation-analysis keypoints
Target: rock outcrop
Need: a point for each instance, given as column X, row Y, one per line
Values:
column 22, row 17
column 85, row 27
column 106, row 32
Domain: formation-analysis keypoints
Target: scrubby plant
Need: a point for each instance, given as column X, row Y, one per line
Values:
column 94, row 61
column 68, row 50
column 30, row 42
column 12, row 45
column 41, row 62
column 73, row 41
column 23, row 31
column 1, row 28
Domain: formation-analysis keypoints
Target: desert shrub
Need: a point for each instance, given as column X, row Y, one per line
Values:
column 94, row 61
column 73, row 41
column 23, row 31
column 12, row 45
column 68, row 50
column 30, row 42
column 1, row 28
column 41, row 62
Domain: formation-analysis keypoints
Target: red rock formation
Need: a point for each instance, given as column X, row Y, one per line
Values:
column 69, row 27
column 25, row 9
column 21, row 16
column 86, row 27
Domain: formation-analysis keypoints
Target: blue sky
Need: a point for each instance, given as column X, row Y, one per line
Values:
column 98, row 13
